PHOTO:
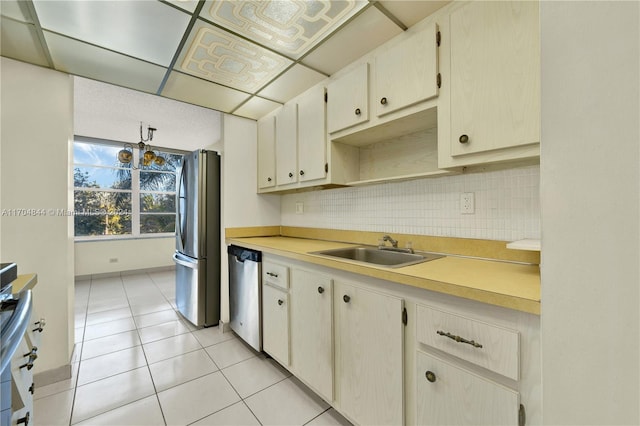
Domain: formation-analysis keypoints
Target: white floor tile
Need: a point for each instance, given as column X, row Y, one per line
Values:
column 288, row 402
column 237, row 414
column 108, row 328
column 196, row 399
column 212, row 335
column 329, row 418
column 57, row 387
column 110, row 364
column 78, row 334
column 253, row 375
column 108, row 344
column 230, row 352
column 110, row 315
column 181, row 369
column 145, row 412
column 112, row 392
column 170, row 347
column 155, row 318
column 147, row 299
column 53, row 410
column 162, row 331
column 150, row 308
column 107, row 304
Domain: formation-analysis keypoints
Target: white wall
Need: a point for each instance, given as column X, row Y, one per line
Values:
column 507, row 206
column 590, row 187
column 241, row 206
column 37, row 130
column 94, row 257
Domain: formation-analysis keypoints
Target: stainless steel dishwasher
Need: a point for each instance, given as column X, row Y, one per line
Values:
column 245, row 294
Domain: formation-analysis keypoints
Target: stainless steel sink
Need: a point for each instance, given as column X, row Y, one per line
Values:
column 376, row 256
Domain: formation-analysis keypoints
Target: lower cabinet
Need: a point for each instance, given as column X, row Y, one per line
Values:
column 275, row 323
column 450, row 395
column 370, row 342
column 312, row 330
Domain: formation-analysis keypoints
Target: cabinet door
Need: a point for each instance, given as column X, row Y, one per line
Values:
column 450, row 395
column 370, row 333
column 311, row 330
column 312, row 135
column 407, row 73
column 275, row 323
column 266, row 152
column 348, row 99
column 286, row 144
column 495, row 76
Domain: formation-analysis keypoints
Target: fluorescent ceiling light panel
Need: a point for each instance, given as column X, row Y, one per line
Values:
column 288, row 27
column 148, row 30
column 221, row 57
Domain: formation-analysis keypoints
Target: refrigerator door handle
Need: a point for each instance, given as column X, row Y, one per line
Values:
column 179, row 212
column 181, row 260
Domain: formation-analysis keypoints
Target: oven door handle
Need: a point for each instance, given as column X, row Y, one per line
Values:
column 15, row 328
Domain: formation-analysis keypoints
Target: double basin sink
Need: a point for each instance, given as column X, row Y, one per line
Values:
column 379, row 257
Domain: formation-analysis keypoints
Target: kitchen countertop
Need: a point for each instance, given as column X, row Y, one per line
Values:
column 24, row 282
column 507, row 284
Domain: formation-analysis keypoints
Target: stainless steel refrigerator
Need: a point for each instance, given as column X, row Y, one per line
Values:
column 197, row 255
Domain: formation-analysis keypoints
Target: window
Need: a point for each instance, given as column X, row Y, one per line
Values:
column 115, row 199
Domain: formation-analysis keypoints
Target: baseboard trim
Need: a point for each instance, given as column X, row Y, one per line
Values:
column 225, row 326
column 44, row 378
column 125, row 273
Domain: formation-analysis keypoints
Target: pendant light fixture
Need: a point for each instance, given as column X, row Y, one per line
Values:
column 146, row 156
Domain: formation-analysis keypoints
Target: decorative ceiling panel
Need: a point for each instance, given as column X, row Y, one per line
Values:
column 288, row 27
column 221, row 57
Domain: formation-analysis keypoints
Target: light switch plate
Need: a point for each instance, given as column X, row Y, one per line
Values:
column 299, row 207
column 467, row 203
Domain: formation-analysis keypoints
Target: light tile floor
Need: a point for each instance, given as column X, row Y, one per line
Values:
column 138, row 362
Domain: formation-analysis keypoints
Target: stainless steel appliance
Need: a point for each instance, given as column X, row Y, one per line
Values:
column 245, row 296
column 197, row 255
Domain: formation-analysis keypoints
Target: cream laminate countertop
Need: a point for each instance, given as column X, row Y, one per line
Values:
column 24, row 282
column 510, row 285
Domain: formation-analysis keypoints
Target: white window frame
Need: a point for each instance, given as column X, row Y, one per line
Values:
column 135, row 191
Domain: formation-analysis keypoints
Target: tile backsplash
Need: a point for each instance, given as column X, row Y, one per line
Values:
column 507, row 206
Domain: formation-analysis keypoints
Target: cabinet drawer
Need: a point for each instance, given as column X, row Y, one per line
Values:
column 489, row 346
column 275, row 274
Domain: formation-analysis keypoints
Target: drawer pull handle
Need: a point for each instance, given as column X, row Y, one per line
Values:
column 271, row 274
column 24, row 420
column 29, row 364
column 459, row 339
column 32, row 388
column 280, row 302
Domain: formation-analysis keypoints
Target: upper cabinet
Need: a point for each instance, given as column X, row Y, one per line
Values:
column 287, row 144
column 349, row 99
column 266, row 152
column 312, row 135
column 494, row 84
column 408, row 73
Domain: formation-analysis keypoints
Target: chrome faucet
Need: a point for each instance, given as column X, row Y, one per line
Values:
column 393, row 242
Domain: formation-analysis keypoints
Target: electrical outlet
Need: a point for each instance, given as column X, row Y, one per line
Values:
column 299, row 207
column 467, row 203
column 113, row 260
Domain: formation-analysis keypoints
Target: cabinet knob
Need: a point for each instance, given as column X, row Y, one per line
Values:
column 358, row 111
column 346, row 298
column 290, row 174
column 320, row 290
column 431, row 376
column 28, row 365
column 463, row 139
column 32, row 388
column 383, row 101
column 280, row 302
column 301, row 172
column 24, row 419
column 268, row 179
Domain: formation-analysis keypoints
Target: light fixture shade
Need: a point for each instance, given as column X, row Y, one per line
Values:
column 125, row 155
column 149, row 156
column 159, row 161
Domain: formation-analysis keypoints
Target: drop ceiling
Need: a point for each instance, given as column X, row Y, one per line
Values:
column 240, row 57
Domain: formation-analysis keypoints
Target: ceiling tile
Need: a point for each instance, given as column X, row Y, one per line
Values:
column 410, row 12
column 256, row 108
column 199, row 92
column 85, row 60
column 221, row 57
column 188, row 5
column 149, row 30
column 19, row 41
column 367, row 31
column 290, row 84
column 288, row 27
column 15, row 10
